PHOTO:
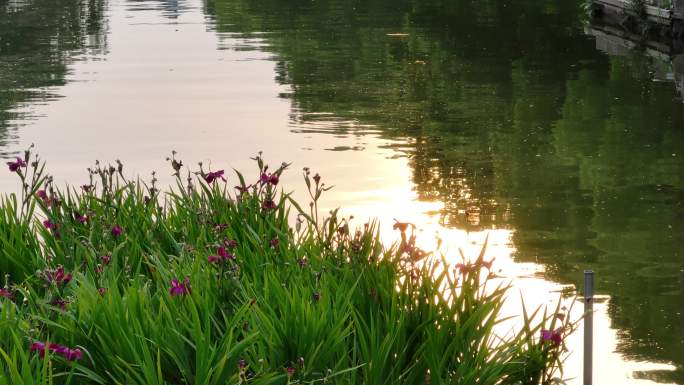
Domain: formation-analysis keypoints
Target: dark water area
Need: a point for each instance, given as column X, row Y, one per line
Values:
column 564, row 133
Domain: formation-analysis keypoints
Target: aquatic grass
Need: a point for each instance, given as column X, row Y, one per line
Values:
column 212, row 284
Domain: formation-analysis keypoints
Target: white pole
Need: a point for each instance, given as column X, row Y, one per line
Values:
column 588, row 326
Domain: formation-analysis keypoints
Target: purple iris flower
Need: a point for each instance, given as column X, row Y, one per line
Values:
column 16, row 165
column 180, row 288
column 80, row 218
column 271, row 179
column 116, row 231
column 68, row 354
column 57, row 276
column 269, row 204
column 210, row 177
column 40, row 347
column 554, row 336
column 61, row 303
column 225, row 254
column 43, row 196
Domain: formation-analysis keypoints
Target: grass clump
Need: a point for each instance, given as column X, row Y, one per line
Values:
column 116, row 282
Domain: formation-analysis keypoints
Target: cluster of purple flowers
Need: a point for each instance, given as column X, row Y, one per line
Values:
column 68, row 354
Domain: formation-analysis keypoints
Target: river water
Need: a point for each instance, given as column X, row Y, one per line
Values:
column 566, row 137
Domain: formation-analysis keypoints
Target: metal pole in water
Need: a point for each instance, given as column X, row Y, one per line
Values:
column 588, row 325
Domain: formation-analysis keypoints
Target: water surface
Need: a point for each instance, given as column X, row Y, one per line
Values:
column 566, row 138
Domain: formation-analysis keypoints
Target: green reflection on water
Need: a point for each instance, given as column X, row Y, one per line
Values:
column 38, row 39
column 509, row 106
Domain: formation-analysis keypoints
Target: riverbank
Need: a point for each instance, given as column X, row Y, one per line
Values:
column 117, row 282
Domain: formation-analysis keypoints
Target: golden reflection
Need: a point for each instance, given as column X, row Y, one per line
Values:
column 390, row 196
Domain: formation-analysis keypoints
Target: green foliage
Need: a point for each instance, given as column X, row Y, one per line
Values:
column 201, row 286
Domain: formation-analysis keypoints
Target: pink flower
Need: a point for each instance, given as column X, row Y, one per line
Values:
column 290, row 371
column 102, row 291
column 554, row 336
column 106, row 259
column 16, row 165
column 180, row 288
column 49, row 225
column 116, row 231
column 210, row 177
column 275, row 242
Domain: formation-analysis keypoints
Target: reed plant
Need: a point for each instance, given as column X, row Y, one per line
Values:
column 117, row 282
